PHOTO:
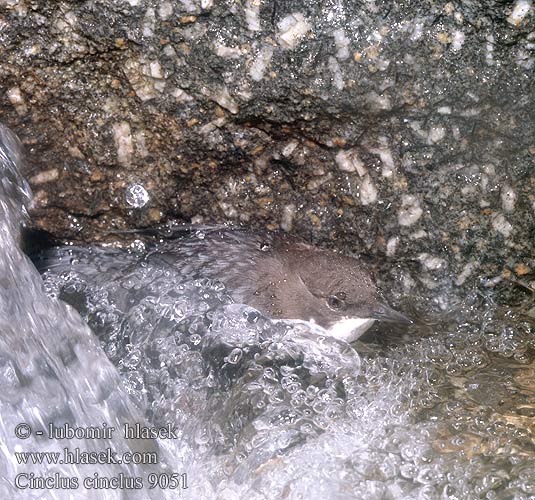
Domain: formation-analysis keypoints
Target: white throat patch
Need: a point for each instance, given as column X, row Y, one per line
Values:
column 350, row 329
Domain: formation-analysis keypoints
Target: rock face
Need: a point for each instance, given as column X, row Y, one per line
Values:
column 404, row 130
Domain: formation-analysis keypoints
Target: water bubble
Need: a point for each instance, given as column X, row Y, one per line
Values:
column 235, row 356
column 195, row 338
column 138, row 246
column 291, row 383
column 136, row 196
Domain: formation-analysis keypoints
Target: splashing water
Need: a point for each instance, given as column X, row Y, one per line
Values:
column 53, row 372
column 262, row 409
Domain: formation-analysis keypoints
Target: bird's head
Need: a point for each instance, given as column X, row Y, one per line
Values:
column 343, row 296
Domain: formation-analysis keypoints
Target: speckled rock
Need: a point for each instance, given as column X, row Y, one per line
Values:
column 403, row 130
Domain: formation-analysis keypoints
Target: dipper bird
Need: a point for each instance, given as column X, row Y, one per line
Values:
column 284, row 277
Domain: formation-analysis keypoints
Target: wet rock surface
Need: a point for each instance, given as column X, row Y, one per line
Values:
column 403, row 130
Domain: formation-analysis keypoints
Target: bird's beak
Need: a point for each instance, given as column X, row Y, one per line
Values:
column 384, row 313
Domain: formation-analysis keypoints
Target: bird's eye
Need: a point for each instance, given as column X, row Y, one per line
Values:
column 335, row 302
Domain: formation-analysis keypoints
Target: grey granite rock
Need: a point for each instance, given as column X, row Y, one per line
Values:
column 403, row 130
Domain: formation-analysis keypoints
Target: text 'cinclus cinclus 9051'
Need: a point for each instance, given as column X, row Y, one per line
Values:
column 284, row 277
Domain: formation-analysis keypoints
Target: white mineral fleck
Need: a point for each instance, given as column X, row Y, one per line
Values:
column 32, row 50
column 156, row 70
column 500, row 224
column 15, row 97
column 149, row 23
column 418, row 235
column 194, row 32
column 189, row 5
column 136, row 196
column 391, row 246
column 376, row 36
column 261, row 62
column 436, row 134
column 430, row 262
column 410, row 210
column 165, row 10
column 223, row 98
column 244, row 90
column 138, row 74
column 484, row 182
column 367, row 191
column 444, row 110
column 228, row 209
column 292, row 30
column 519, row 12
column 492, row 282
column 141, row 146
column 227, row 52
column 123, row 142
column 252, row 14
column 508, row 198
column 342, row 43
column 46, row 176
column 378, row 102
column 180, row 95
column 489, row 169
column 417, row 31
column 468, row 190
column 289, row 148
column 338, row 79
column 348, row 161
column 489, row 56
column 382, row 65
column 288, row 213
column 457, row 40
column 387, row 160
column 523, row 59
column 169, row 51
column 213, row 125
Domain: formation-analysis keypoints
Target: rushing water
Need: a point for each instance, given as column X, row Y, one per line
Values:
column 261, row 409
